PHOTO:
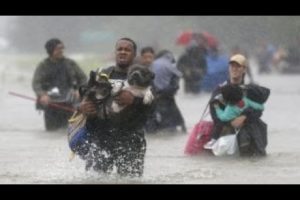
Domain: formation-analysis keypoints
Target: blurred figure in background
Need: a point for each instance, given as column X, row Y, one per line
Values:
column 264, row 55
column 147, row 56
column 193, row 65
column 217, row 69
column 291, row 58
column 167, row 115
column 56, row 80
column 279, row 61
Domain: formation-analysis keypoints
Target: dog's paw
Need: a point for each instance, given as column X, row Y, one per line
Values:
column 116, row 87
column 116, row 108
column 148, row 98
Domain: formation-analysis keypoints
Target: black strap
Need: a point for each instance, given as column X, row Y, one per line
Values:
column 204, row 112
column 104, row 109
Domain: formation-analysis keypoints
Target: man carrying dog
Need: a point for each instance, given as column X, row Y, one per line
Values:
column 119, row 141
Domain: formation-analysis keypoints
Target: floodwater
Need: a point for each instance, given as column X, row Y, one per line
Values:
column 29, row 154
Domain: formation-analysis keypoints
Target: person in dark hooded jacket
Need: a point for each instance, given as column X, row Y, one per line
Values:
column 57, row 79
column 252, row 136
column 192, row 64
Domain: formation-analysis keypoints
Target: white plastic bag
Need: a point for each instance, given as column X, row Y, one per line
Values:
column 226, row 145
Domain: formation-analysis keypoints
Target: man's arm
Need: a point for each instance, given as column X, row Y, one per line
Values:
column 134, row 117
column 136, row 113
column 80, row 76
column 238, row 122
column 248, row 115
column 39, row 80
column 126, row 98
column 212, row 101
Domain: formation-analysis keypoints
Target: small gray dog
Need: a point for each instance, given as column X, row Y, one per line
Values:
column 138, row 83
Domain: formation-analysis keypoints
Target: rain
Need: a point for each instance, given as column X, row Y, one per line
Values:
column 30, row 154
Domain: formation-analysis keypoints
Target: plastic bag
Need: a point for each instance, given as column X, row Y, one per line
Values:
column 226, row 145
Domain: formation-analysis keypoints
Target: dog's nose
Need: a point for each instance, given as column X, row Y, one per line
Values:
column 136, row 74
column 91, row 93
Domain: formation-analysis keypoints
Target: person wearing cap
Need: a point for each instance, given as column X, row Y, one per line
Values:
column 238, row 50
column 193, row 65
column 248, row 118
column 56, row 74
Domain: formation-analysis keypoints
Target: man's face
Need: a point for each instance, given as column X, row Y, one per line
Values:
column 124, row 53
column 58, row 51
column 236, row 72
column 147, row 58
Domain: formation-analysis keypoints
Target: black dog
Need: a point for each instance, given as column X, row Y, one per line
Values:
column 99, row 91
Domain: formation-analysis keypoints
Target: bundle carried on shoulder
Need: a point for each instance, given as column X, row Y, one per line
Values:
column 257, row 93
column 77, row 134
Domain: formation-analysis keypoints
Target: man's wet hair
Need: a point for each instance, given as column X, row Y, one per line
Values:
column 232, row 93
column 131, row 41
column 146, row 50
column 51, row 44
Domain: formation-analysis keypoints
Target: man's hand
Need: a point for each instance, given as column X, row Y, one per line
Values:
column 238, row 122
column 87, row 108
column 76, row 94
column 216, row 104
column 125, row 98
column 44, row 100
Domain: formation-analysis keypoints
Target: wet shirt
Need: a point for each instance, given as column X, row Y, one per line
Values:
column 164, row 71
column 63, row 74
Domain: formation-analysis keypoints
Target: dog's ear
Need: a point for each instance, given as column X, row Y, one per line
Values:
column 103, row 77
column 82, row 90
column 92, row 78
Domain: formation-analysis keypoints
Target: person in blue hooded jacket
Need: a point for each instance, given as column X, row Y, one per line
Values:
column 167, row 115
